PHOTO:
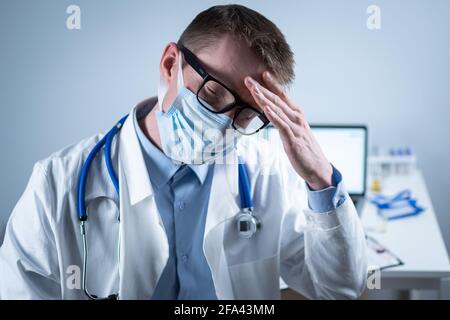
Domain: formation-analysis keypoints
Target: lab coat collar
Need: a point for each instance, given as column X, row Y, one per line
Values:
column 162, row 168
column 99, row 185
column 133, row 164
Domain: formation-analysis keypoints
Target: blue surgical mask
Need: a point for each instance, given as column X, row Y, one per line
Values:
column 189, row 133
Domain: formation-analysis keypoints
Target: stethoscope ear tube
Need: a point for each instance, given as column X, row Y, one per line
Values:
column 107, row 152
column 106, row 141
column 244, row 187
column 81, row 205
column 85, row 264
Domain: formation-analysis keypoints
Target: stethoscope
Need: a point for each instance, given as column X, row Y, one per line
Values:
column 246, row 223
column 403, row 199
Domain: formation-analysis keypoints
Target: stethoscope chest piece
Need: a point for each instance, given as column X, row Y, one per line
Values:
column 247, row 224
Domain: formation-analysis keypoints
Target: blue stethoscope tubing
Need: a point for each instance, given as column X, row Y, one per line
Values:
column 399, row 200
column 244, row 187
column 106, row 143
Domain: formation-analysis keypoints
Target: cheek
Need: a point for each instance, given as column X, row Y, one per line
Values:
column 230, row 113
column 248, row 99
column 191, row 81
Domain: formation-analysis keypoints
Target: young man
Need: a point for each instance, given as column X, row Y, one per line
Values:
column 178, row 235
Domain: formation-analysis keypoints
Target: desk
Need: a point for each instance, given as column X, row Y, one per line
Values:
column 416, row 240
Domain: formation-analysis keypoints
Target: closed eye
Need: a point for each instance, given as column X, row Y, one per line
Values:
column 210, row 90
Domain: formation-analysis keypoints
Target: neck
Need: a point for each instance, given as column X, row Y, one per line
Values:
column 149, row 127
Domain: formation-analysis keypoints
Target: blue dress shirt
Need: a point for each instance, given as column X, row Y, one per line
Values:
column 327, row 199
column 182, row 195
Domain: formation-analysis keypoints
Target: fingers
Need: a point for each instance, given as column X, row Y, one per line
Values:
column 279, row 123
column 263, row 97
column 273, row 85
column 275, row 113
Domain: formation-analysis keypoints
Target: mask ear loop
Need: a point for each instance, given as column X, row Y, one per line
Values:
column 180, row 79
column 162, row 90
column 164, row 87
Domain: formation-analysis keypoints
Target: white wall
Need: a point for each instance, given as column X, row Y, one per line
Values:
column 58, row 86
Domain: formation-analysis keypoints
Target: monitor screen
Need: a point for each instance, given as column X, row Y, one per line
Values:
column 345, row 147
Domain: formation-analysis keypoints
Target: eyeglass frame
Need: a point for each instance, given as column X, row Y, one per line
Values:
column 194, row 62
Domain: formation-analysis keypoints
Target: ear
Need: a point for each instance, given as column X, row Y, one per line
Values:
column 168, row 66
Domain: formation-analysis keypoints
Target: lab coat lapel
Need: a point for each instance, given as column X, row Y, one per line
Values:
column 224, row 197
column 99, row 184
column 223, row 205
column 144, row 248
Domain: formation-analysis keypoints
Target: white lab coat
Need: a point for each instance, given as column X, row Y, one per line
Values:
column 318, row 255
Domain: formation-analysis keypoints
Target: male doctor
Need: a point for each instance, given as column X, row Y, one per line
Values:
column 176, row 237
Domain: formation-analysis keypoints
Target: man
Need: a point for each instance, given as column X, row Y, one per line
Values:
column 177, row 235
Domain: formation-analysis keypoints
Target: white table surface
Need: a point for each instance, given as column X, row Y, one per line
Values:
column 416, row 240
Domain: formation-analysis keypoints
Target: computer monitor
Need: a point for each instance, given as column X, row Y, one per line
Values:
column 346, row 148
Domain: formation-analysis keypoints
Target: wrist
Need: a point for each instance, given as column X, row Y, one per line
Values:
column 321, row 179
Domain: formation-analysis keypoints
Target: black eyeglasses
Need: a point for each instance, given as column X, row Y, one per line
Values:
column 218, row 98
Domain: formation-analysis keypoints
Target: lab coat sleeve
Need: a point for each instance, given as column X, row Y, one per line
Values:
column 322, row 256
column 28, row 259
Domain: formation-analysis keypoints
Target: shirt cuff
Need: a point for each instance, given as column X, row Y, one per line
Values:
column 328, row 199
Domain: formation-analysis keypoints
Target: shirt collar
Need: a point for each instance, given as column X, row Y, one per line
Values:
column 160, row 167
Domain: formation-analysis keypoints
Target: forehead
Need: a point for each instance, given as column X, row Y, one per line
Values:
column 230, row 60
